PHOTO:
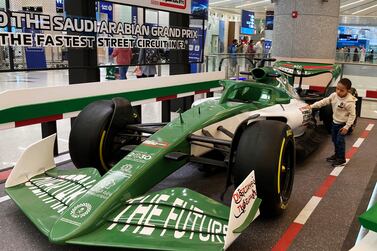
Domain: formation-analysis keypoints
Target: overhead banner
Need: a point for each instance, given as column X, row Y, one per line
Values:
column 109, row 34
column 181, row 6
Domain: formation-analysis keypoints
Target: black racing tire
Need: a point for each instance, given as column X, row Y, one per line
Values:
column 86, row 133
column 268, row 148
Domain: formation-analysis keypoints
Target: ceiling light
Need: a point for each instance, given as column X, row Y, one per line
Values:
column 346, row 5
column 222, row 1
column 370, row 7
column 243, row 5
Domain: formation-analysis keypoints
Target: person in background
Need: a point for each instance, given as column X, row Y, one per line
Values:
column 344, row 114
column 347, row 54
column 123, row 57
column 233, row 54
column 341, row 55
column 259, row 48
column 371, row 55
column 250, row 51
column 148, row 58
column 362, row 54
column 356, row 55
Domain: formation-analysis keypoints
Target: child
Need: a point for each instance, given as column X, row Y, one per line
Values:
column 344, row 114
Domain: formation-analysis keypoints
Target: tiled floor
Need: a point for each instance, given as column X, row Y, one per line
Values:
column 14, row 141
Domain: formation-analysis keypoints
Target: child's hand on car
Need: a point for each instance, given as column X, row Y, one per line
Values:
column 307, row 107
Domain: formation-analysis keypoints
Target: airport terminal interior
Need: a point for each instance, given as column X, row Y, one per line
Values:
column 188, row 125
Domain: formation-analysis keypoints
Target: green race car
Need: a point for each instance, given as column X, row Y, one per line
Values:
column 255, row 126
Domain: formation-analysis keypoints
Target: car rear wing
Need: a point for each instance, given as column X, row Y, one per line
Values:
column 303, row 69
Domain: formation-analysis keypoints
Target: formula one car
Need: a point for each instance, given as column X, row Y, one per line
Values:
column 254, row 125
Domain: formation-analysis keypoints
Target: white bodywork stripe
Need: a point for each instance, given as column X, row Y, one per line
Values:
column 368, row 243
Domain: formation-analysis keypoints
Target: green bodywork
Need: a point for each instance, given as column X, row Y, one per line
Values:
column 80, row 207
column 369, row 218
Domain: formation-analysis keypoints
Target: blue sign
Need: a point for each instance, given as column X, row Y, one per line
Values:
column 134, row 14
column 199, row 9
column 59, row 6
column 196, row 46
column 269, row 20
column 248, row 21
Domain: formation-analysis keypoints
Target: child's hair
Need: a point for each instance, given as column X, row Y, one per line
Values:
column 346, row 82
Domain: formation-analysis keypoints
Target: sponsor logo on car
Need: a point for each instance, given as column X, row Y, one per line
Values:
column 243, row 196
column 138, row 156
column 60, row 192
column 190, row 221
column 156, row 144
column 306, row 115
column 81, row 210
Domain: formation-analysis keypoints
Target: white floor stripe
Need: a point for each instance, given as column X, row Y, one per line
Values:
column 337, row 170
column 358, row 142
column 369, row 127
column 307, row 210
column 5, row 198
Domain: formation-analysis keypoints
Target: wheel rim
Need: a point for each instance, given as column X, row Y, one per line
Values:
column 286, row 175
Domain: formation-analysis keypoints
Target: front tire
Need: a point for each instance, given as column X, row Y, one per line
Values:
column 91, row 141
column 267, row 147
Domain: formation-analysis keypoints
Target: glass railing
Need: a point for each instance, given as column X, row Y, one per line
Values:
column 232, row 63
column 344, row 57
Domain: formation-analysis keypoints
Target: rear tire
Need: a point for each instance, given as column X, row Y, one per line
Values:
column 273, row 160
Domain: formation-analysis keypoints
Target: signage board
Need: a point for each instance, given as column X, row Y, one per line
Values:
column 59, row 6
column 199, row 9
column 269, row 20
column 248, row 21
column 181, row 6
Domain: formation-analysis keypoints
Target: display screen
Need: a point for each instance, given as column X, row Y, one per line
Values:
column 269, row 20
column 248, row 21
column 199, row 9
column 59, row 6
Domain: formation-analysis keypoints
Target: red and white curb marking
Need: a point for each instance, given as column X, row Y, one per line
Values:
column 290, row 234
column 33, row 121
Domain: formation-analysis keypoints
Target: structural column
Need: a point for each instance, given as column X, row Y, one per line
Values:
column 306, row 30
